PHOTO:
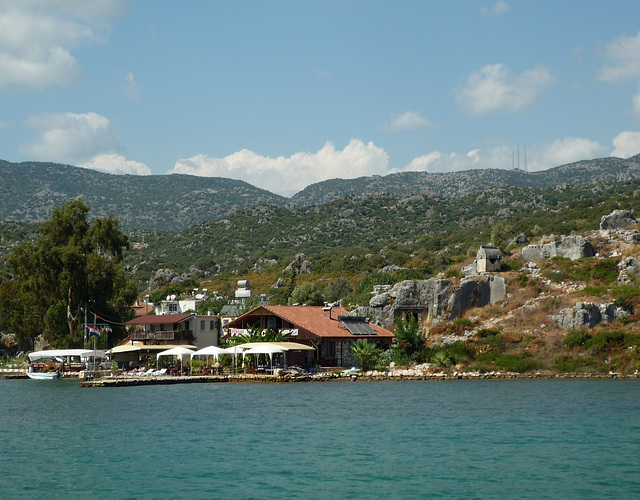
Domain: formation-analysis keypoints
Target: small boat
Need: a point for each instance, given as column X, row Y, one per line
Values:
column 43, row 375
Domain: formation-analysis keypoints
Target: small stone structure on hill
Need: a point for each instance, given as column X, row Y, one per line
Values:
column 488, row 259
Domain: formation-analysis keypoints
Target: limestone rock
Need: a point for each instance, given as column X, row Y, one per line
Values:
column 570, row 247
column 588, row 314
column 618, row 219
column 300, row 265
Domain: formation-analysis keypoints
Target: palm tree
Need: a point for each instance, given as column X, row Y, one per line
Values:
column 365, row 352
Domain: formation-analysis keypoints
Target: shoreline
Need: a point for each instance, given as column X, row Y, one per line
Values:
column 346, row 377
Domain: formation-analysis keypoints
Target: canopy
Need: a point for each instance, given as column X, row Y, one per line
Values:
column 65, row 353
column 212, row 350
column 285, row 346
column 263, row 349
column 176, row 351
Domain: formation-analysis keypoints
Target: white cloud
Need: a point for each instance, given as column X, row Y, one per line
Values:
column 626, row 144
column 70, row 138
column 540, row 157
column 563, row 151
column 495, row 89
column 409, row 120
column 636, row 102
column 624, row 54
column 285, row 174
column 36, row 37
column 116, row 164
column 499, row 8
column 131, row 88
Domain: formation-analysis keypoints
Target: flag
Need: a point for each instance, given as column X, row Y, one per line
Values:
column 93, row 331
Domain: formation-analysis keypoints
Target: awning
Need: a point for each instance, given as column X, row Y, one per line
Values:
column 66, row 353
column 285, row 346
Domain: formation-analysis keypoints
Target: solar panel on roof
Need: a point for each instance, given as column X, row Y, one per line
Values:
column 357, row 325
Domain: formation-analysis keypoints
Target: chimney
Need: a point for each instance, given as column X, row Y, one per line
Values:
column 327, row 311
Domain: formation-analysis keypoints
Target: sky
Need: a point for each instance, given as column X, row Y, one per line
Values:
column 286, row 93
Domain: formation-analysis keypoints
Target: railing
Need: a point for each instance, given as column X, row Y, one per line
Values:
column 158, row 337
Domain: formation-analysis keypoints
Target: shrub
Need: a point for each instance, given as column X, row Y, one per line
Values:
column 462, row 321
column 453, row 272
column 484, row 333
column 603, row 340
column 569, row 364
column 556, row 276
column 605, row 270
column 575, row 338
column 511, row 265
column 597, row 290
column 518, row 364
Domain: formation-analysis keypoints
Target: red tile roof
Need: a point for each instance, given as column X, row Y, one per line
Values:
column 314, row 319
column 160, row 319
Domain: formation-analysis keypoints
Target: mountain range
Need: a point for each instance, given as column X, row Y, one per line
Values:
column 30, row 190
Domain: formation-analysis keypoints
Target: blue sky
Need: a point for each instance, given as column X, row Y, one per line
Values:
column 283, row 94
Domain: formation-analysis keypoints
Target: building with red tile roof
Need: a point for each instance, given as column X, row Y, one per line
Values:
column 330, row 330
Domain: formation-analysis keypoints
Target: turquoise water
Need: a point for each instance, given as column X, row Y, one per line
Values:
column 460, row 439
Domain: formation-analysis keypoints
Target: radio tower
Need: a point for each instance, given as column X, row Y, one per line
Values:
column 525, row 156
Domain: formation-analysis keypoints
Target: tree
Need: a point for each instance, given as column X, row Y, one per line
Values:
column 409, row 335
column 365, row 352
column 74, row 263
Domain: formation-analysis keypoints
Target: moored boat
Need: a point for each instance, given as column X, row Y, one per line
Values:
column 43, row 375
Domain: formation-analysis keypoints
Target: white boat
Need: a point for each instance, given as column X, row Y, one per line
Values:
column 43, row 375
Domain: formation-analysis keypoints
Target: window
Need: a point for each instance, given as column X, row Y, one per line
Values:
column 331, row 350
column 201, row 325
column 173, row 307
column 212, row 325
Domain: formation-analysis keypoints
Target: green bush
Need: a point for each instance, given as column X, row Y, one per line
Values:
column 575, row 338
column 605, row 270
column 517, row 363
column 511, row 265
column 556, row 276
column 571, row 365
column 602, row 341
column 597, row 290
column 484, row 333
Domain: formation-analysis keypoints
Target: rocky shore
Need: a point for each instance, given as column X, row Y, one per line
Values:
column 370, row 376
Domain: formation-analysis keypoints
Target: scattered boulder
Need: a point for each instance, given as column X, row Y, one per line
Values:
column 300, row 265
column 570, row 247
column 618, row 219
column 588, row 314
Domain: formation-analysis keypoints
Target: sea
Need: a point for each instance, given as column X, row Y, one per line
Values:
column 460, row 439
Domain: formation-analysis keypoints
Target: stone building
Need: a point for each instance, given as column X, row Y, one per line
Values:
column 488, row 259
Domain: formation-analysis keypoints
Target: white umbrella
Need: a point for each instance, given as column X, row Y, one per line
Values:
column 264, row 349
column 176, row 351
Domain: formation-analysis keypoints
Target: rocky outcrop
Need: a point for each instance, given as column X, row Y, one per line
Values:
column 300, row 265
column 588, row 314
column 570, row 247
column 629, row 268
column 618, row 219
column 433, row 298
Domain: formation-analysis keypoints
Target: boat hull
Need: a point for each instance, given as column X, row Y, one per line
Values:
column 43, row 375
